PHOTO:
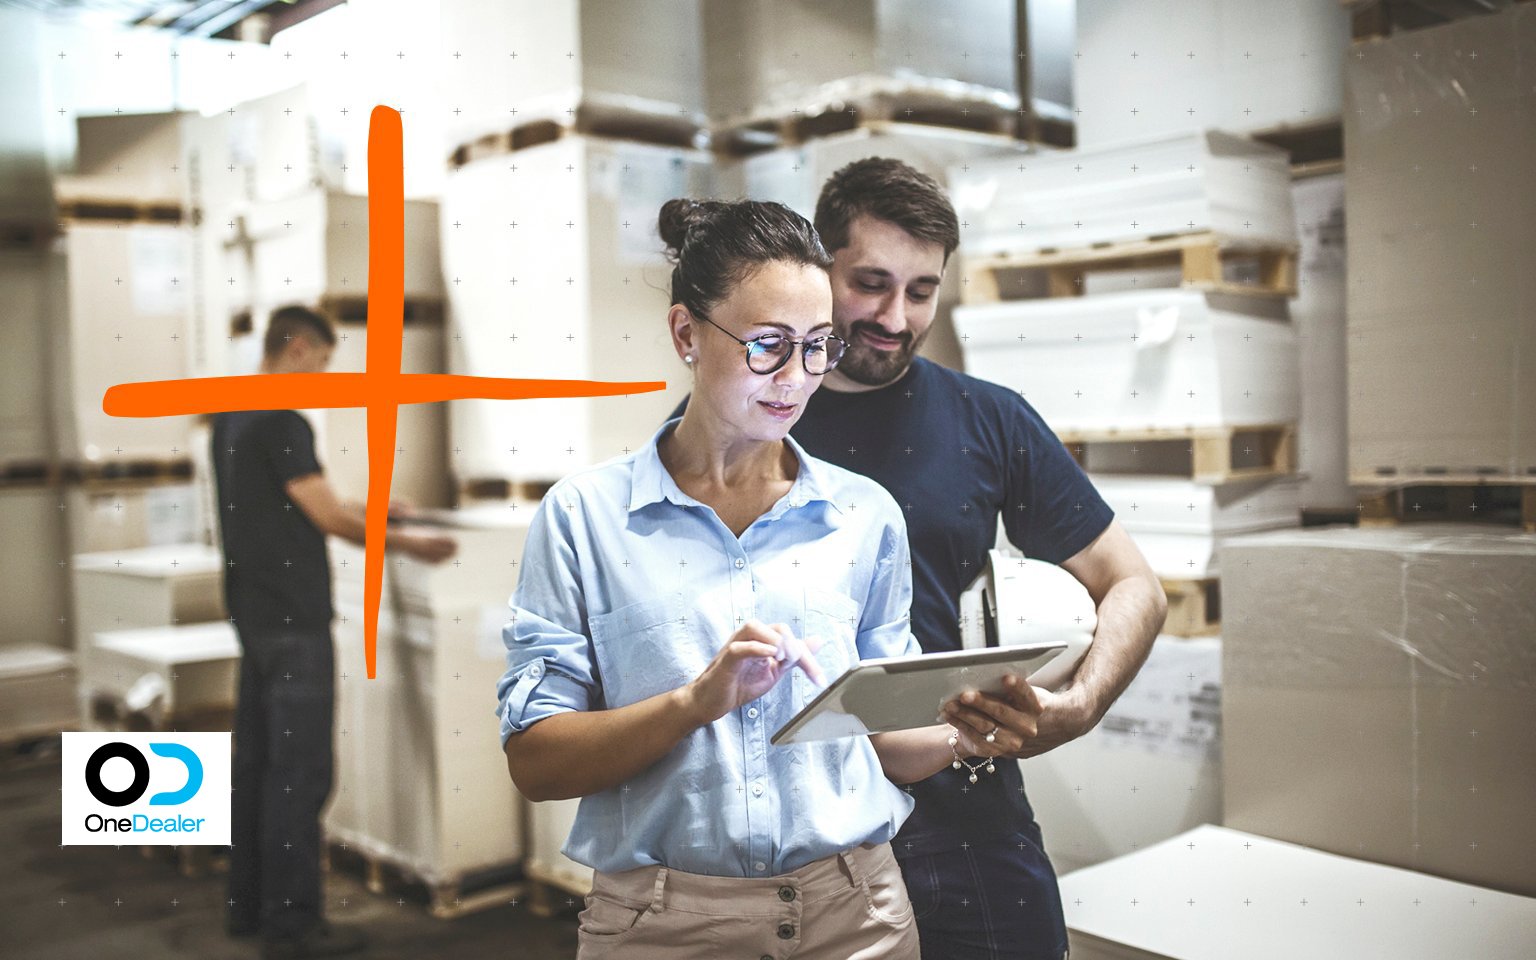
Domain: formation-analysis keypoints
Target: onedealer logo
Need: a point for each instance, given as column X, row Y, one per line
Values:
column 146, row 788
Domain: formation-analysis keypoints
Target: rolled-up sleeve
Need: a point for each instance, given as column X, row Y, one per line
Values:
column 885, row 629
column 549, row 656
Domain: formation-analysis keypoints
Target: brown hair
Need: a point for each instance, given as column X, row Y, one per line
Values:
column 292, row 321
column 716, row 244
column 888, row 190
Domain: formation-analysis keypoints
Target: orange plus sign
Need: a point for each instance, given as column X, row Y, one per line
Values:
column 381, row 388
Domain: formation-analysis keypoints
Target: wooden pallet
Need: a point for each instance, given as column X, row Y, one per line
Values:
column 551, row 893
column 792, row 127
column 27, row 236
column 425, row 311
column 1379, row 19
column 1460, row 499
column 443, row 899
column 122, row 210
column 30, row 473
column 671, row 130
column 492, row 488
column 1194, row 607
column 1203, row 259
column 1216, row 454
column 142, row 471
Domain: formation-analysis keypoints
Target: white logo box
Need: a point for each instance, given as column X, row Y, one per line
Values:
column 202, row 819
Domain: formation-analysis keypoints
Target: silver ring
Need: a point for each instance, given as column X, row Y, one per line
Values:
column 992, row 737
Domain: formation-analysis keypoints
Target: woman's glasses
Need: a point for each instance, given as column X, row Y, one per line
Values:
column 768, row 353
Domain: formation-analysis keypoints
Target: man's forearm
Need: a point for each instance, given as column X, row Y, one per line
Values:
column 1129, row 618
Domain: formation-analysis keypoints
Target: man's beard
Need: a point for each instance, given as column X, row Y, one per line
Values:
column 864, row 364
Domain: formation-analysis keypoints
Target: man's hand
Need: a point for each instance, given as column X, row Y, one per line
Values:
column 1028, row 720
column 430, row 547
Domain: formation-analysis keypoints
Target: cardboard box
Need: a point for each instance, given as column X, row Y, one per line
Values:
column 117, row 517
column 1215, row 893
column 1155, row 359
column 1377, row 695
column 157, row 586
column 1442, row 301
column 1150, row 770
column 577, row 289
column 1317, row 312
column 769, row 57
column 1205, row 181
column 1254, row 66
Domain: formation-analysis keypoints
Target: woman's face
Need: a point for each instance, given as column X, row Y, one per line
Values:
column 792, row 300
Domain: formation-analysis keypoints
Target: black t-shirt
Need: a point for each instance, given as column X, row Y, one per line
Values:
column 276, row 573
column 956, row 453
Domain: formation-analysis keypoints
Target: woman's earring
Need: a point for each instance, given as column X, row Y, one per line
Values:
column 688, row 359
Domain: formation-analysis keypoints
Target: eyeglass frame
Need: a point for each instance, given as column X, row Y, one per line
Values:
column 785, row 360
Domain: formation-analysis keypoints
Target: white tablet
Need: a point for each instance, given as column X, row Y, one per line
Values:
column 900, row 693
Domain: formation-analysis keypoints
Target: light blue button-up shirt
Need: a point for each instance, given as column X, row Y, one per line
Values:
column 629, row 587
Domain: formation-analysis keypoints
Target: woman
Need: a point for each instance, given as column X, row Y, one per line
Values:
column 665, row 597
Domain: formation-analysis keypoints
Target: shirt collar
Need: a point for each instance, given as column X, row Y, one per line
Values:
column 651, row 483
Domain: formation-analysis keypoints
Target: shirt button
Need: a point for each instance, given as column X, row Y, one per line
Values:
column 535, row 670
column 759, row 866
column 786, row 931
column 757, row 789
column 751, row 713
column 740, row 563
column 786, row 894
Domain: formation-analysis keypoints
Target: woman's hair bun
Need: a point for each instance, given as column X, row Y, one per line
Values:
column 674, row 220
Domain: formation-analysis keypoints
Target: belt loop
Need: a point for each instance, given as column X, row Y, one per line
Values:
column 661, row 883
column 854, row 872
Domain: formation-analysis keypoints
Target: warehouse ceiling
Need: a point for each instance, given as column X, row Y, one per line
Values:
column 197, row 18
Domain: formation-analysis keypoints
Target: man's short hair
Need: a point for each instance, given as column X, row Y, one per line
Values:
column 296, row 321
column 888, row 190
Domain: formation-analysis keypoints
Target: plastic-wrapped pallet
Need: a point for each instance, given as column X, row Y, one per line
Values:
column 35, row 605
column 550, row 824
column 1204, row 182
column 766, row 58
column 129, row 320
column 525, row 60
column 31, row 289
column 1150, row 770
column 148, row 587
column 1178, row 524
column 556, row 271
column 1162, row 67
column 37, row 691
column 1322, row 449
column 184, row 676
column 1442, row 300
column 421, row 779
column 1377, row 695
column 1156, row 359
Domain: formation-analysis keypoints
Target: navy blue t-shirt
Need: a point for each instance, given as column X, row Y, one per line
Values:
column 956, row 453
column 276, row 574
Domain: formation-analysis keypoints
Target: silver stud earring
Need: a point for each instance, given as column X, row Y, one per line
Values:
column 688, row 359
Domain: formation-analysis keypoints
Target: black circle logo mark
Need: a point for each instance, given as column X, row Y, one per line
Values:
column 116, row 798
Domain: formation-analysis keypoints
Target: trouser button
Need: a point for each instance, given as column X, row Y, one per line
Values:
column 786, row 894
column 786, row 931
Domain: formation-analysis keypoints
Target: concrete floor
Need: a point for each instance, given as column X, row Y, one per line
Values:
column 67, row 903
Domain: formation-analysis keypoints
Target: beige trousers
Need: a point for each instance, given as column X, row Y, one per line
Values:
column 852, row 906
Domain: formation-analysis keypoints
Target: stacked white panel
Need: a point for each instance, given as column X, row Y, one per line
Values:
column 160, row 673
column 37, row 691
column 149, row 587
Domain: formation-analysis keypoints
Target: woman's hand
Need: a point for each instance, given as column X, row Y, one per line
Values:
column 750, row 664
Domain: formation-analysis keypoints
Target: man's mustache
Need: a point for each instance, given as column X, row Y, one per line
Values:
column 905, row 336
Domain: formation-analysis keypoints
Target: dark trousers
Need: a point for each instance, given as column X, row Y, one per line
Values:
column 281, row 776
column 988, row 900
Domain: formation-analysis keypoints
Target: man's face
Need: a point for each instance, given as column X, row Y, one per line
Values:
column 885, row 289
column 309, row 355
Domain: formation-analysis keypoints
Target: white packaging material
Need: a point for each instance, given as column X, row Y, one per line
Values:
column 31, row 288
column 129, row 320
column 556, row 271
column 1164, row 67
column 123, row 516
column 1157, row 359
column 1214, row 892
column 128, row 157
column 37, row 691
column 524, row 60
column 34, row 608
column 1178, row 524
column 1150, row 770
column 1317, row 311
column 161, row 672
column 769, row 57
column 314, row 245
column 149, row 587
column 1207, row 181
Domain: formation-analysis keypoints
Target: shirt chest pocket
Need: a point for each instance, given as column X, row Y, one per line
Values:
column 648, row 648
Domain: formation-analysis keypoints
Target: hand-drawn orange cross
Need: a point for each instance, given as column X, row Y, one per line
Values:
column 381, row 388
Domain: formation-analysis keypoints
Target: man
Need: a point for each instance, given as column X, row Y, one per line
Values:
column 276, row 509
column 958, row 453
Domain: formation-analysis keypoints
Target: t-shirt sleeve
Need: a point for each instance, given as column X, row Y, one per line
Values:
column 1052, row 510
column 290, row 443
